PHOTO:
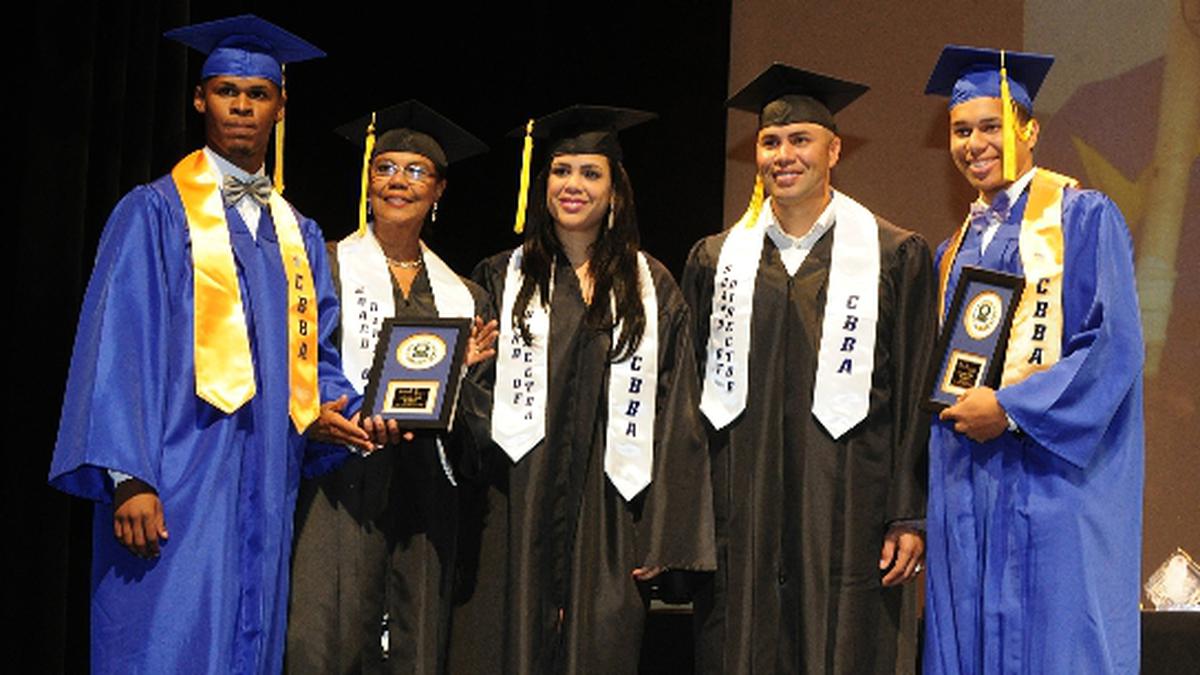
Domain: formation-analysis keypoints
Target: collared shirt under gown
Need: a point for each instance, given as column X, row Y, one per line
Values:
column 551, row 533
column 1035, row 538
column 377, row 535
column 215, row 601
column 801, row 517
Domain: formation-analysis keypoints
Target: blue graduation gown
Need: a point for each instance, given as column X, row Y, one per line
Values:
column 1034, row 539
column 215, row 601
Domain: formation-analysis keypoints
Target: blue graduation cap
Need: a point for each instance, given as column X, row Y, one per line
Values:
column 244, row 46
column 964, row 73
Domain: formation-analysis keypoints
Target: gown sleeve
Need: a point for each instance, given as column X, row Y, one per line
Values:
column 676, row 528
column 113, row 408
column 332, row 383
column 697, row 290
column 478, row 457
column 474, row 400
column 911, row 345
column 1068, row 407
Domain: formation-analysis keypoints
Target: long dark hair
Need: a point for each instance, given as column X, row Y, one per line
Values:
column 613, row 263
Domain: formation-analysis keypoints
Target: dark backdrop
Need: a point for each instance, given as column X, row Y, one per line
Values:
column 103, row 103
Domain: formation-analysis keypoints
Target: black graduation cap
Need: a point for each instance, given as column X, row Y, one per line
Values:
column 783, row 94
column 964, row 73
column 244, row 46
column 413, row 126
column 577, row 130
column 585, row 129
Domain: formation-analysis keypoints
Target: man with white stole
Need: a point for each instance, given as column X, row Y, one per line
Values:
column 1035, row 490
column 201, row 357
column 814, row 327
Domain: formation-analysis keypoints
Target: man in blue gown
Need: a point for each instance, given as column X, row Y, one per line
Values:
column 201, row 342
column 1035, row 495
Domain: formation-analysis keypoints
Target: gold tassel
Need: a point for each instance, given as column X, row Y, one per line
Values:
column 755, row 207
column 1008, row 125
column 279, row 140
column 369, row 148
column 523, row 187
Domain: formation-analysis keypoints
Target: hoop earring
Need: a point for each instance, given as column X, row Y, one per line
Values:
column 433, row 216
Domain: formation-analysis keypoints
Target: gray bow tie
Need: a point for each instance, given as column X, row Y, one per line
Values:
column 982, row 214
column 258, row 188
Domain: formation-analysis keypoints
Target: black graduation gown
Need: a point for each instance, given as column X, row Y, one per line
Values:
column 801, row 517
column 550, row 533
column 377, row 535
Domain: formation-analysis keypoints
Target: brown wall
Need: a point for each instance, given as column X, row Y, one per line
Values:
column 1104, row 93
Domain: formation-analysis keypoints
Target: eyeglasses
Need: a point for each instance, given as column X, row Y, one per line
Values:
column 417, row 173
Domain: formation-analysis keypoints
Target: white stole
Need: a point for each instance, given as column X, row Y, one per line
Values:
column 841, row 392
column 519, row 403
column 368, row 298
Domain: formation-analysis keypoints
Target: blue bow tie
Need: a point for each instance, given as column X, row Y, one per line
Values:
column 257, row 188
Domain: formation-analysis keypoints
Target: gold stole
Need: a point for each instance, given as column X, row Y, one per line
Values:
column 1035, row 338
column 224, row 366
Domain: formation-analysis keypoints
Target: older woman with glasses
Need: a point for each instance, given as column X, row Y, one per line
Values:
column 375, row 539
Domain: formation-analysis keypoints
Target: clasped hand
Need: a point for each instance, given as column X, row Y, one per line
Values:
column 977, row 414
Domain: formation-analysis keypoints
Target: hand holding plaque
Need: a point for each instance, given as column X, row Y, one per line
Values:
column 974, row 337
column 416, row 373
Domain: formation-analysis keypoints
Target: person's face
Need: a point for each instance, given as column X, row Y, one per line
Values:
column 579, row 189
column 403, row 187
column 977, row 145
column 794, row 161
column 239, row 113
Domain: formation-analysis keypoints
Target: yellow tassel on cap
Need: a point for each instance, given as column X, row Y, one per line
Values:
column 755, row 207
column 1008, row 125
column 278, row 178
column 369, row 148
column 523, row 188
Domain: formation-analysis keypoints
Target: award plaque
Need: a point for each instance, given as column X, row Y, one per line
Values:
column 974, row 337
column 417, row 368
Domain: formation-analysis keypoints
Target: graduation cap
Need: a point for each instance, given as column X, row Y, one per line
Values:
column 413, row 127
column 782, row 94
column 247, row 46
column 244, row 46
column 576, row 130
column 964, row 73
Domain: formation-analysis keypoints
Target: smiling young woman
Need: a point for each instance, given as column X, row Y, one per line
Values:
column 597, row 445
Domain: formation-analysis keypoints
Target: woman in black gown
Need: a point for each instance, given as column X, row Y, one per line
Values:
column 596, row 478
column 375, row 539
